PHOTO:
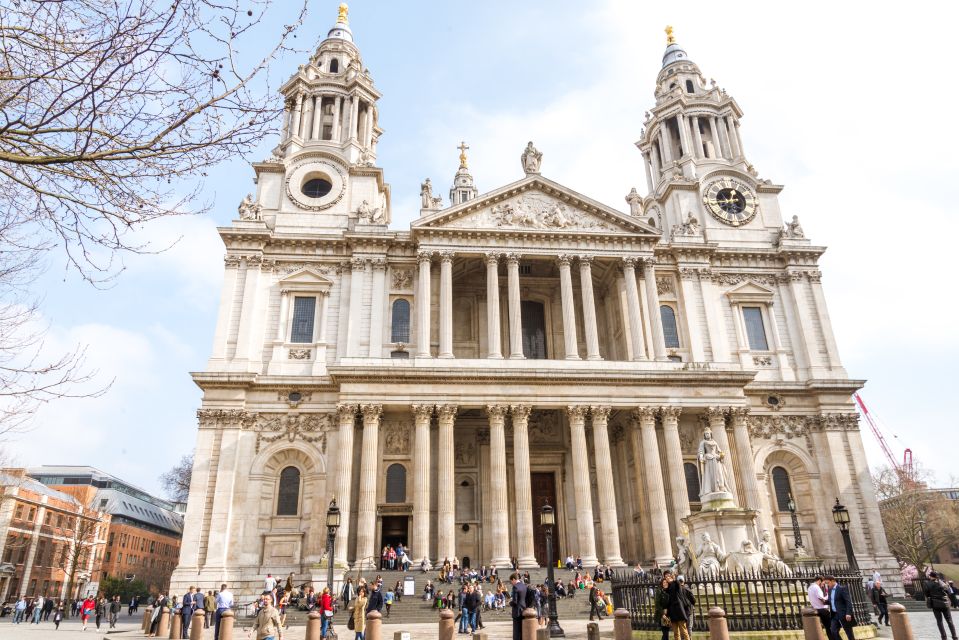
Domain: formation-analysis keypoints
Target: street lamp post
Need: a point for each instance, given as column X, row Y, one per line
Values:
column 840, row 516
column 547, row 518
column 797, row 534
column 925, row 540
column 332, row 524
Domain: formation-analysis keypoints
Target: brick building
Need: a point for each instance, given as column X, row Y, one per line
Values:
column 42, row 533
column 143, row 539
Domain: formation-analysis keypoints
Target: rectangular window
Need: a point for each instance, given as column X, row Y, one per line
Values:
column 106, row 558
column 19, row 514
column 304, row 311
column 755, row 331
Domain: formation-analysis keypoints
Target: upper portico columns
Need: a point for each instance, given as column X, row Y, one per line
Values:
column 632, row 309
column 589, row 308
column 655, row 319
column 569, row 309
column 492, row 306
column 446, row 304
column 423, row 295
column 515, row 309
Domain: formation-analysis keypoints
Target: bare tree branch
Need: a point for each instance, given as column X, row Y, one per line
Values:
column 176, row 481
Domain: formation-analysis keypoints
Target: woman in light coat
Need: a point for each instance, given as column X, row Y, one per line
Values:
column 359, row 612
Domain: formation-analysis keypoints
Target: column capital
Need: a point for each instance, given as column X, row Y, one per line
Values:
column 649, row 262
column 564, row 259
column 645, row 414
column 358, row 262
column 346, row 410
column 422, row 411
column 715, row 413
column 497, row 411
column 379, row 264
column 671, row 413
column 739, row 413
column 512, row 259
column 371, row 413
column 585, row 261
column 629, row 262
column 520, row 411
column 446, row 411
column 600, row 412
column 577, row 413
column 447, row 256
column 424, row 256
column 492, row 258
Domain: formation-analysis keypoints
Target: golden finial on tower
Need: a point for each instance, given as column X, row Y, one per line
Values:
column 343, row 18
column 463, row 147
column 670, row 38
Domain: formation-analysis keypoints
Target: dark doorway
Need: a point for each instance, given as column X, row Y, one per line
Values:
column 465, row 562
column 396, row 529
column 534, row 329
column 543, row 487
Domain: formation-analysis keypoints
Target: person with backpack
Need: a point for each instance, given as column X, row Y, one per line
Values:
column 681, row 601
column 937, row 599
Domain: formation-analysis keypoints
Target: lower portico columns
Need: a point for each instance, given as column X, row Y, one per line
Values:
column 346, row 415
column 589, row 308
column 366, row 555
column 499, row 503
column 747, row 464
column 717, row 424
column 423, row 305
column 525, row 553
column 655, row 493
column 515, row 309
column 492, row 306
column 655, row 319
column 446, row 304
column 569, row 310
column 674, row 464
column 606, row 492
column 445, row 498
column 423, row 414
column 582, row 485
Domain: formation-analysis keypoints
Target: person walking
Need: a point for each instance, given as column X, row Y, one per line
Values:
column 517, row 605
column 937, row 599
column 115, row 608
column 595, row 603
column 817, row 600
column 37, row 609
column 101, row 610
column 388, row 601
column 349, row 592
column 87, row 609
column 326, row 611
column 224, row 602
column 266, row 625
column 840, row 603
column 19, row 610
column 681, row 601
column 187, row 608
column 47, row 608
column 209, row 609
column 878, row 595
column 57, row 617
column 358, row 615
column 161, row 602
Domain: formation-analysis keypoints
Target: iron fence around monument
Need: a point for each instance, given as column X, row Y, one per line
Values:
column 753, row 601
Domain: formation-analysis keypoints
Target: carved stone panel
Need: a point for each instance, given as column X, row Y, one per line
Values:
column 544, row 427
column 533, row 211
column 396, row 437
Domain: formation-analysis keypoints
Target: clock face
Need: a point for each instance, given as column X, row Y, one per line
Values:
column 730, row 201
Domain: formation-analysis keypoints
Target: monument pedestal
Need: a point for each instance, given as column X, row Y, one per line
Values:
column 728, row 527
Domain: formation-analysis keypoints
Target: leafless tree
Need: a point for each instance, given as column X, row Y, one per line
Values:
column 907, row 501
column 111, row 114
column 176, row 481
column 80, row 547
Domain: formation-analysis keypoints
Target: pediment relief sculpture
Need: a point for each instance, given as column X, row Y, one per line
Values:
column 533, row 211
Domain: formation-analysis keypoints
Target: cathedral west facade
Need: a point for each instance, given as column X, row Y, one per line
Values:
column 522, row 346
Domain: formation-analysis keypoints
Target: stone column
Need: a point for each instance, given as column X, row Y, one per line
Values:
column 422, row 413
column 336, row 128
column 733, row 140
column 297, row 113
column 605, row 487
column 569, row 310
column 647, row 164
column 423, row 295
column 525, row 554
column 446, row 304
column 632, row 309
column 655, row 319
column 674, row 464
column 832, row 350
column 445, row 496
column 683, row 125
column 589, row 307
column 655, row 492
column 366, row 555
column 715, row 320
column 499, row 502
column 697, row 138
column 317, row 129
column 717, row 143
column 717, row 424
column 582, row 485
column 654, row 159
column 377, row 307
column 354, row 118
column 724, row 138
column 689, row 291
column 492, row 307
column 515, row 308
column 357, row 280
column 667, row 144
column 744, row 455
column 346, row 415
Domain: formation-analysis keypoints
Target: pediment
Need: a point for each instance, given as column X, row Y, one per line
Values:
column 537, row 205
column 750, row 291
column 305, row 279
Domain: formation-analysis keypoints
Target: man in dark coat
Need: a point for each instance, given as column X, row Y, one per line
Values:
column 595, row 607
column 376, row 599
column 681, row 601
column 517, row 605
column 841, row 606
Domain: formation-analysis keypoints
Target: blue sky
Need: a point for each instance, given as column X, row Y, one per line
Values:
column 849, row 107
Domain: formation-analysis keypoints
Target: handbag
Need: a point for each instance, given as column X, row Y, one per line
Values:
column 929, row 602
column 351, row 623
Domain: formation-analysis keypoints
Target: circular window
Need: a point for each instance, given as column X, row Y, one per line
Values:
column 466, row 528
column 317, row 187
column 772, row 401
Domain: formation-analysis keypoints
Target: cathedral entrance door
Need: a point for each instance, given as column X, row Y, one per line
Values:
column 396, row 529
column 533, row 316
column 543, row 487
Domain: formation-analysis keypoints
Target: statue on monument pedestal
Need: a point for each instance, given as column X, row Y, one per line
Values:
column 531, row 159
column 711, row 469
column 771, row 561
column 684, row 558
column 711, row 555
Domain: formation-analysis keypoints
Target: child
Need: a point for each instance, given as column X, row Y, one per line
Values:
column 58, row 616
column 388, row 601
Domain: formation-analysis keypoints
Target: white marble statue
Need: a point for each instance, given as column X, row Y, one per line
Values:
column 711, row 556
column 426, row 194
column 366, row 213
column 684, row 558
column 771, row 562
column 711, row 469
column 635, row 202
column 748, row 558
column 531, row 159
column 688, row 228
column 249, row 209
column 794, row 229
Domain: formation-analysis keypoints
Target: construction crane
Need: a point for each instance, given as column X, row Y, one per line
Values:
column 905, row 470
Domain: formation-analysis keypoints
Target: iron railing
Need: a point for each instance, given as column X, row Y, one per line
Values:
column 753, row 601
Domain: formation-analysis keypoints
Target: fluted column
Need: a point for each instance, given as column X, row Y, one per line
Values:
column 297, row 113
column 717, row 424
column 683, row 126
column 445, row 497
column 655, row 319
column 739, row 416
column 346, row 416
column 316, row 130
column 582, row 485
column 667, row 144
column 733, row 138
column 589, row 307
column 515, row 308
column 492, row 306
column 359, row 267
column 714, row 132
column 674, row 464
column 377, row 307
column 605, row 487
column 655, row 492
column 422, row 413
column 525, row 553
column 499, row 504
column 446, row 304
column 632, row 309
column 366, row 507
column 335, row 130
column 697, row 138
column 569, row 310
column 423, row 295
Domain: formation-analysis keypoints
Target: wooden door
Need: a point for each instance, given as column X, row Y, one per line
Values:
column 543, row 487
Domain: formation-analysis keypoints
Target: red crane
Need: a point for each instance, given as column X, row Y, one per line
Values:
column 905, row 470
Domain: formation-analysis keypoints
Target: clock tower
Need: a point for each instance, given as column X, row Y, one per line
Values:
column 699, row 180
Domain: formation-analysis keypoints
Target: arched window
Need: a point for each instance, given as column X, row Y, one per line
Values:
column 692, row 481
column 782, row 487
column 400, row 330
column 689, row 86
column 670, row 332
column 288, row 497
column 334, row 65
column 396, row 483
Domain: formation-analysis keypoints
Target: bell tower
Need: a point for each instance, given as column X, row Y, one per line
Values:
column 463, row 188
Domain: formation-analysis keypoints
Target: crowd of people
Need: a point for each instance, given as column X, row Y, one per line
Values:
column 98, row 609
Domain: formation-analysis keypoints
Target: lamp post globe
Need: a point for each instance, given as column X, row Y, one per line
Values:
column 547, row 519
column 840, row 516
column 332, row 524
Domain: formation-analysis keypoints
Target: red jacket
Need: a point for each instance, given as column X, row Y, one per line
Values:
column 326, row 602
column 90, row 604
